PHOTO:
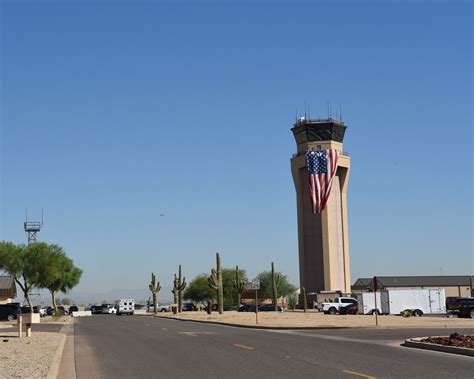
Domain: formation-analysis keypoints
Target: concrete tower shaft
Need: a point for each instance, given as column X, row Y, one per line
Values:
column 323, row 239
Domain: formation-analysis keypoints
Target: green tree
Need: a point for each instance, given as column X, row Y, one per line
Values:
column 228, row 279
column 284, row 288
column 198, row 290
column 57, row 272
column 19, row 261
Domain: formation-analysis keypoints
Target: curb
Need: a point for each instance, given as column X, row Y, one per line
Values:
column 264, row 327
column 322, row 327
column 415, row 343
column 54, row 368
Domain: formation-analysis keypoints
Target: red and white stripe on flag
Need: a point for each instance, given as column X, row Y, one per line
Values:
column 322, row 165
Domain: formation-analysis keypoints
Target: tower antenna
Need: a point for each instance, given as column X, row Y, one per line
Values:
column 309, row 114
column 305, row 109
column 327, row 102
column 340, row 112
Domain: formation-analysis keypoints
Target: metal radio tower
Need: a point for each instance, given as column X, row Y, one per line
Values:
column 32, row 228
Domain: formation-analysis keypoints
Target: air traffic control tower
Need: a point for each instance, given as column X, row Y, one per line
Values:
column 322, row 238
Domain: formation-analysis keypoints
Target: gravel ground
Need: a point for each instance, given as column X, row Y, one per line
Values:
column 27, row 357
column 317, row 319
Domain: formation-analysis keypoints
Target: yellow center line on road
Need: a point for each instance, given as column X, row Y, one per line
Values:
column 244, row 347
column 359, row 374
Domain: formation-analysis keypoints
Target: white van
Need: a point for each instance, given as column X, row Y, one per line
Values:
column 125, row 306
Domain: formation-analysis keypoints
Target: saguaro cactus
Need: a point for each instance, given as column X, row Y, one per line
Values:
column 275, row 285
column 209, row 306
column 154, row 288
column 215, row 282
column 179, row 286
column 305, row 299
column 174, row 291
column 239, row 285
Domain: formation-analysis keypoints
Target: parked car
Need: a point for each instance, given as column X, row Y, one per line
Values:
column 268, row 308
column 140, row 307
column 43, row 311
column 9, row 311
column 49, row 310
column 73, row 308
column 466, row 307
column 26, row 309
column 333, row 307
column 188, row 307
column 246, row 308
column 159, row 308
column 351, row 309
column 96, row 309
column 108, row 309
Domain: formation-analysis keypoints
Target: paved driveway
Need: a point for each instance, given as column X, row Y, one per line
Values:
column 146, row 347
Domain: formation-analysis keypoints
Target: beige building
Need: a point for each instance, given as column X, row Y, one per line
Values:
column 7, row 289
column 323, row 239
column 454, row 285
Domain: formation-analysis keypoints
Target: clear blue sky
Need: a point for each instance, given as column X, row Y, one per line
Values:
column 115, row 114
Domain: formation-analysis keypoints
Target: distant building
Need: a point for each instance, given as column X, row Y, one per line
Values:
column 454, row 285
column 7, row 289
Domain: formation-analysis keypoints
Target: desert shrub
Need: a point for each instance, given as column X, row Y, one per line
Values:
column 407, row 313
column 292, row 301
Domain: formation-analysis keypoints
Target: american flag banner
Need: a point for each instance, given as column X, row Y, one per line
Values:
column 322, row 165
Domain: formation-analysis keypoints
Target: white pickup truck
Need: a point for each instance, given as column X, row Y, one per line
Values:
column 338, row 302
column 159, row 308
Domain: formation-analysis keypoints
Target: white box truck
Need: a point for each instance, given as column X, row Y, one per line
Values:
column 366, row 303
column 125, row 306
column 419, row 301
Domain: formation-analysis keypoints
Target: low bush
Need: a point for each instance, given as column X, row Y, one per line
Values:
column 407, row 313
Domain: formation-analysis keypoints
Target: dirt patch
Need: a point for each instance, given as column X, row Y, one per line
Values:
column 56, row 320
column 455, row 339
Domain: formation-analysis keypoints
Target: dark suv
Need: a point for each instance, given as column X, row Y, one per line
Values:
column 268, row 308
column 96, row 309
column 9, row 311
column 466, row 307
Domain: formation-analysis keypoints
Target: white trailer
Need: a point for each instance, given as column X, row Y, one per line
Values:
column 419, row 301
column 125, row 306
column 366, row 303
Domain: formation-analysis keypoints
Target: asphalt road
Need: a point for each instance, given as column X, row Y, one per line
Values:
column 148, row 347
